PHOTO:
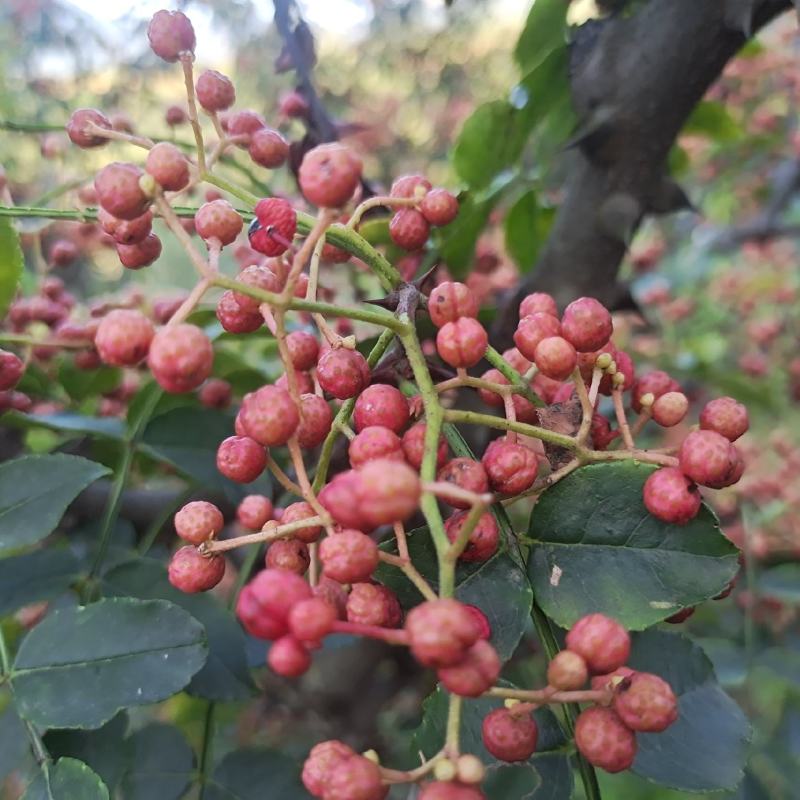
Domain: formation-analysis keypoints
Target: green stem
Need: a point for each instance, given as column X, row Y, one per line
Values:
column 206, row 747
column 29, row 127
column 86, row 214
column 510, row 374
column 453, row 733
column 545, row 435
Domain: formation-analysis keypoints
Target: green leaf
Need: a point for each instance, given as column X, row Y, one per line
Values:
column 460, row 236
column 546, row 775
column 36, row 490
column 81, row 383
column 105, row 750
column 225, row 675
column 254, row 774
column 543, row 32
column 712, row 119
column 599, row 549
column 80, row 666
column 69, row 423
column 11, row 263
column 781, row 582
column 14, row 744
column 162, row 764
column 41, row 575
column 67, row 779
column 527, row 226
column 706, row 748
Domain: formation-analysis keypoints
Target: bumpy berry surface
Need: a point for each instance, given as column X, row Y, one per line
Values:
column 602, row 642
column 726, row 416
column 254, row 511
column 339, row 499
column 303, row 349
column 414, row 446
column 170, row 34
column 510, row 467
column 180, row 357
column 538, row 302
column 316, row 419
column 708, row 458
column 349, row 557
column 140, row 254
column 409, row 229
column 382, row 405
column 123, row 337
column 11, row 370
column 410, row 186
column 125, row 231
column 215, row 393
column 567, row 671
column 198, row 521
column 300, row 511
column 671, row 496
column 311, row 620
column 343, row 373
column 475, row 674
column 586, row 324
column 288, row 657
column 440, row 632
column 510, row 736
column 555, row 357
column 656, row 383
column 670, row 409
column 270, row 416
column 355, row 778
column 118, row 190
column 373, row 604
column 462, row 343
column 483, row 540
column 289, row 554
column 218, row 220
column 646, row 703
column 387, row 491
column 466, row 473
column 451, row 300
column 532, row 329
column 241, row 458
column 375, row 442
column 265, row 603
column 439, row 207
column 79, row 122
column 192, row 572
column 215, row 91
column 321, row 761
column 234, row 318
column 604, row 739
column 329, row 175
column 168, row 165
column 274, row 226
column 611, row 679
column 243, row 124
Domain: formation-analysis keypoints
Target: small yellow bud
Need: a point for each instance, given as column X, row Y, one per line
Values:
column 603, row 360
column 647, row 400
column 445, row 770
column 372, row 755
column 469, row 769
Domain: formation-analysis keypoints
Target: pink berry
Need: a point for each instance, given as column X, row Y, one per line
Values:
column 408, row 186
column 254, row 511
column 124, row 231
column 383, row 405
column 462, row 343
column 62, row 253
column 274, row 226
column 316, row 419
column 268, row 148
column 510, row 736
column 414, row 446
column 708, row 458
column 339, row 499
column 123, row 337
column 168, row 165
column 215, row 91
column 451, row 300
column 373, row 604
column 300, row 511
column 375, row 442
column 670, row 409
column 175, row 115
column 655, row 383
column 387, row 491
column 241, row 459
column 265, row 603
column 602, row 642
column 256, row 276
column 555, row 357
column 725, row 416
column 355, row 778
column 511, row 467
column 79, row 127
column 343, row 373
column 439, row 207
column 118, row 190
column 11, row 370
column 171, row 34
column 441, row 632
column 333, row 593
column 321, row 761
column 475, row 674
column 612, row 679
column 270, row 416
column 646, row 703
column 288, row 554
column 538, row 302
column 604, row 739
column 483, row 541
column 303, row 349
column 586, row 324
column 409, row 229
column 234, row 319
column 465, row 473
column 450, row 790
column 243, row 124
column 192, row 572
column 349, row 557
column 180, row 357
column 567, row 671
column 215, row 393
column 288, row 657
column 329, row 175
column 218, row 220
column 625, row 368
column 140, row 254
column 311, row 620
column 532, row 330
column 198, row 521
column 293, row 105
